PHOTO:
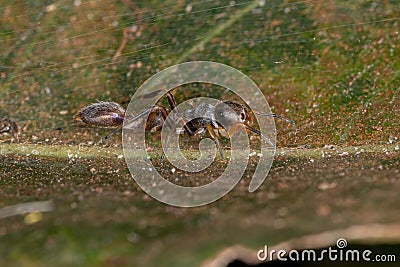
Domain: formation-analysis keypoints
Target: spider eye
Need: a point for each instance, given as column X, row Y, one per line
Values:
column 242, row 116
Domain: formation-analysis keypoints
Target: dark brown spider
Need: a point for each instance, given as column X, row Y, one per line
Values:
column 208, row 118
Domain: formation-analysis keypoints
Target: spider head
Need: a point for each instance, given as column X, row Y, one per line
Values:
column 233, row 115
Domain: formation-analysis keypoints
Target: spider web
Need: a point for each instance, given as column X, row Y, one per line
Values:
column 327, row 64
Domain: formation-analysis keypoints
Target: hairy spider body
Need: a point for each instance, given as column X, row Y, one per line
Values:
column 102, row 114
column 204, row 115
column 225, row 116
column 111, row 115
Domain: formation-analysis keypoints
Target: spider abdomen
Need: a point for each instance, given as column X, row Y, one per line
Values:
column 102, row 114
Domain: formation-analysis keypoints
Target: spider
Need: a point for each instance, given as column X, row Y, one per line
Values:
column 208, row 118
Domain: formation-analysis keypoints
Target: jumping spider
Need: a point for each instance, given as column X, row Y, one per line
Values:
column 209, row 118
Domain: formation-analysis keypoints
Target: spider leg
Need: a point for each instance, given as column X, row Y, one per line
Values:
column 215, row 138
column 276, row 116
column 129, row 121
column 172, row 103
column 164, row 114
column 166, row 148
column 108, row 136
column 257, row 132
